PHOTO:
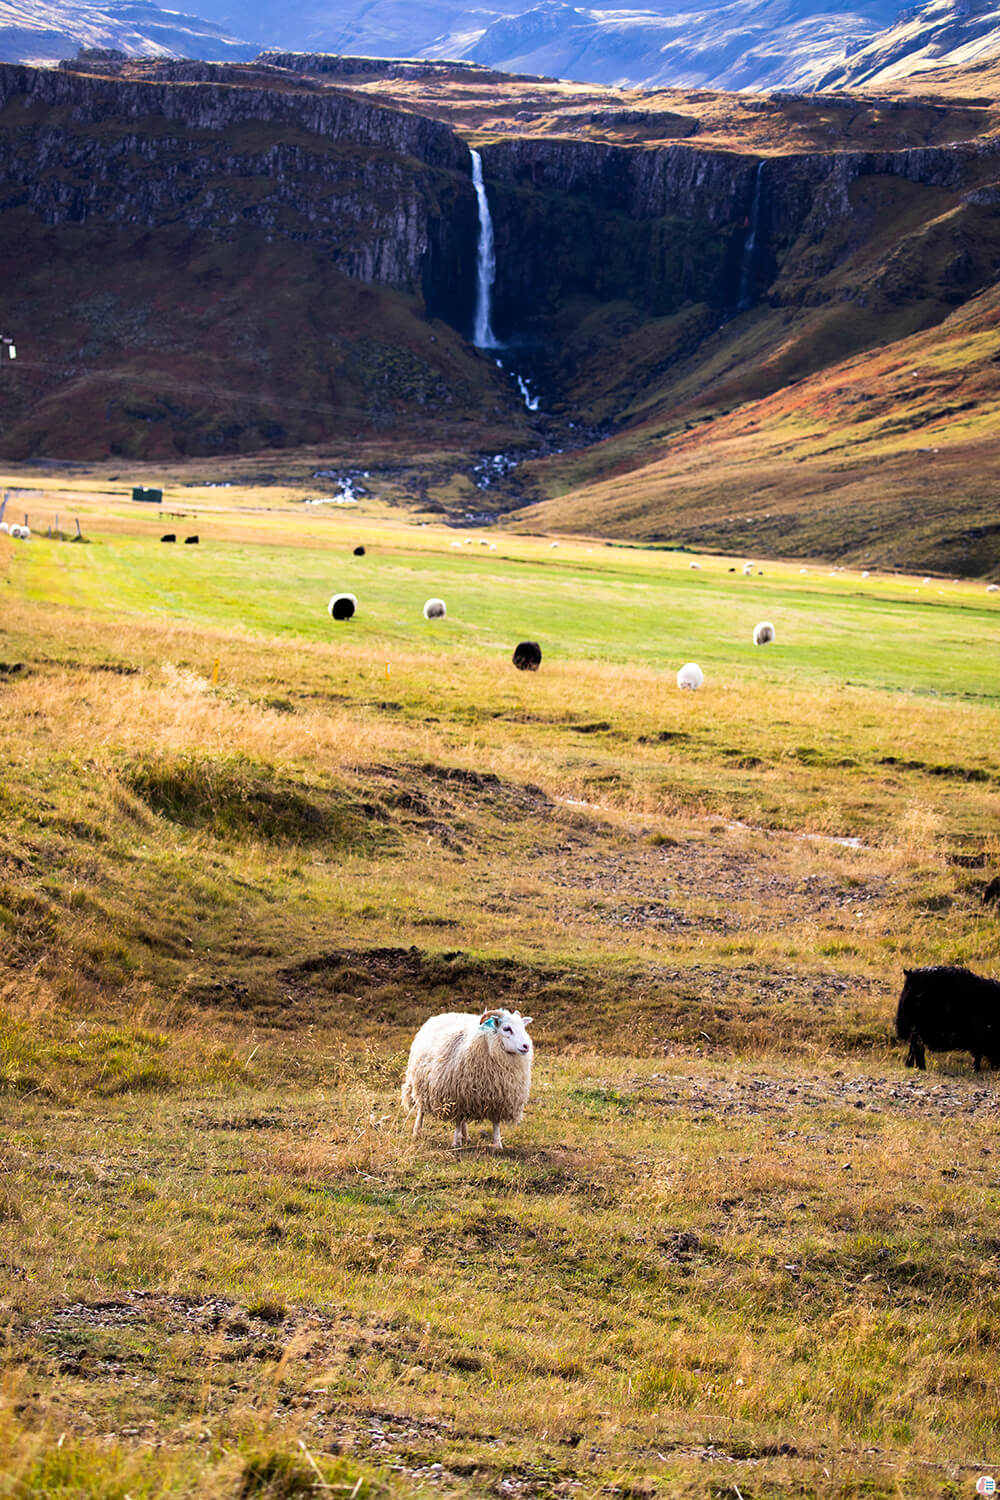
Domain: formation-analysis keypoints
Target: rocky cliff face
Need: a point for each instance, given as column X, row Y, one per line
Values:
column 385, row 192
column 664, row 227
column 617, row 265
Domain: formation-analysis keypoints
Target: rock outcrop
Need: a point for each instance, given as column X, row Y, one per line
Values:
column 386, row 192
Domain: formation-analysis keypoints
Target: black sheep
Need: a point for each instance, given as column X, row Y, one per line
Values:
column 527, row 656
column 949, row 1010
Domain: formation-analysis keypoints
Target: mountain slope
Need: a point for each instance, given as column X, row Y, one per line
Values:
column 761, row 44
column 201, row 260
column 54, row 29
column 888, row 458
column 943, row 32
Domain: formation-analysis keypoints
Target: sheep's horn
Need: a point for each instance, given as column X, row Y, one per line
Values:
column 488, row 1015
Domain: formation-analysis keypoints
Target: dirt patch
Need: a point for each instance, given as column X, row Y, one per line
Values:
column 770, row 1096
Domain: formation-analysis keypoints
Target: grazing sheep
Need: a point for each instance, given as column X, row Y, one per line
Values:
column 4, row 528
column 553, row 544
column 747, row 569
column 763, row 633
column 690, row 676
column 527, row 656
column 359, row 552
column 991, row 895
column 467, row 1067
column 993, row 588
column 695, row 565
column 191, row 541
column 949, row 1010
column 15, row 531
column 435, row 609
column 342, row 606
column 171, row 536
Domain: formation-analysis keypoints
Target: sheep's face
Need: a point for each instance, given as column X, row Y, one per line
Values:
column 511, row 1028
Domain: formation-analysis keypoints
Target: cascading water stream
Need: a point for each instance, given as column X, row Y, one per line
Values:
column 486, row 270
column 750, row 244
column 486, row 265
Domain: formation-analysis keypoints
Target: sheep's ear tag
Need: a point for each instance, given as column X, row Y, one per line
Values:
column 489, row 1023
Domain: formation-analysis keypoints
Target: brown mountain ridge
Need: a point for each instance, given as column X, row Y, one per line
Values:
column 719, row 298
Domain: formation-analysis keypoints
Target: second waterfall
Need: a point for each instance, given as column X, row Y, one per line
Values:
column 486, row 265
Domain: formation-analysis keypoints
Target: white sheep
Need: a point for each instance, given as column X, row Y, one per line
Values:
column 690, row 676
column 763, row 633
column 695, row 565
column 468, row 1067
column 342, row 606
column 16, row 531
column 4, row 528
column 993, row 588
column 747, row 569
column 435, row 609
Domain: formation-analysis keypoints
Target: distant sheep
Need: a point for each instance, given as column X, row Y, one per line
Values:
column 467, row 1067
column 435, row 609
column 191, row 541
column 359, row 552
column 171, row 536
column 342, row 606
column 527, row 656
column 949, row 1010
column 4, row 528
column 747, row 569
column 690, row 676
column 991, row 895
column 993, row 588
column 763, row 633
column 695, row 565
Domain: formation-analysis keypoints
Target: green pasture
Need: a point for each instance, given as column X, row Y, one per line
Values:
column 598, row 603
column 732, row 1249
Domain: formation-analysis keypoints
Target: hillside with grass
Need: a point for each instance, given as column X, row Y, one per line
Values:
column 246, row 850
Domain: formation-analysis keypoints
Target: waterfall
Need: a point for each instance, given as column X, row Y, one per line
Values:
column 750, row 243
column 486, row 266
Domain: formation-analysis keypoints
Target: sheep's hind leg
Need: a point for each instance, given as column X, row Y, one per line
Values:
column 496, row 1143
column 461, row 1137
column 419, row 1120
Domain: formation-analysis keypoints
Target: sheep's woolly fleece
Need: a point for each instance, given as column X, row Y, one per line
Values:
column 460, row 1067
column 690, row 676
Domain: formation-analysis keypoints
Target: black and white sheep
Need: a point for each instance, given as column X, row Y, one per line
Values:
column 468, row 1067
column 763, row 633
column 435, row 609
column 949, row 1009
column 342, row 607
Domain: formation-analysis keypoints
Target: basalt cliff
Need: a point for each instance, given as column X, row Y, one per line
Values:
column 203, row 259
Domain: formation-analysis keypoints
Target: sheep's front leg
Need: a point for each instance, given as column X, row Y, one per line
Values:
column 461, row 1134
column 497, row 1143
column 419, row 1120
